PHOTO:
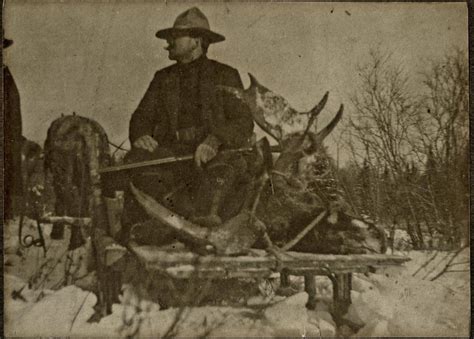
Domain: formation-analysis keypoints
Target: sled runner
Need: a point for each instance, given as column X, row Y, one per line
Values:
column 257, row 264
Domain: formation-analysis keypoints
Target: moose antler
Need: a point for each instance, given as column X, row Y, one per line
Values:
column 235, row 236
column 271, row 111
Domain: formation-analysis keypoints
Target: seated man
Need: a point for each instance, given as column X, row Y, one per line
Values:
column 183, row 112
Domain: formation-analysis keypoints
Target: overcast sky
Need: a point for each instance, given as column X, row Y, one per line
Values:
column 98, row 59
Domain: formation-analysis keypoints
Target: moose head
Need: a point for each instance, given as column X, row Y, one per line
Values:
column 292, row 205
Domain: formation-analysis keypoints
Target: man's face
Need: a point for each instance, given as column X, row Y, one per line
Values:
column 180, row 47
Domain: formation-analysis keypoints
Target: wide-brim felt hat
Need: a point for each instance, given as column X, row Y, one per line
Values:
column 191, row 22
column 7, row 43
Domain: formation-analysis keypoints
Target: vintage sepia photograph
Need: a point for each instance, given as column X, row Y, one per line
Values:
column 235, row 169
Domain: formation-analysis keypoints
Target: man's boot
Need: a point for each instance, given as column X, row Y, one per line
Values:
column 215, row 187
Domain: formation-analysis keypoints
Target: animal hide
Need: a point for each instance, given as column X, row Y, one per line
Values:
column 75, row 148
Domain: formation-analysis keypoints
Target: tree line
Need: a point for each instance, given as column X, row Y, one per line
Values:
column 408, row 142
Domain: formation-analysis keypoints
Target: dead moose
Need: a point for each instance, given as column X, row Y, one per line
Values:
column 280, row 211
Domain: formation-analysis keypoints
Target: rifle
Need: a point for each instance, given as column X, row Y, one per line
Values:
column 173, row 159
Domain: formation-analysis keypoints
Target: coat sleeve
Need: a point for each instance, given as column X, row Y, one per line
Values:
column 237, row 127
column 149, row 112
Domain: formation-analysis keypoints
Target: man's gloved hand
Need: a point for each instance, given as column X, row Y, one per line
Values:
column 206, row 151
column 203, row 154
column 146, row 142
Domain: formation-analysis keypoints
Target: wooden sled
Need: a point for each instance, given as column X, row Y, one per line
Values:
column 257, row 264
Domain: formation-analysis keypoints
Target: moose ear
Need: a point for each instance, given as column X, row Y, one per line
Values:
column 314, row 112
column 328, row 129
column 253, row 81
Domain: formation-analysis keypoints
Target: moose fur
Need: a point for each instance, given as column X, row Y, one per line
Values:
column 75, row 148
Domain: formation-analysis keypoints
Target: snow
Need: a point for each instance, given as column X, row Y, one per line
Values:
column 397, row 303
column 394, row 302
column 290, row 317
column 67, row 304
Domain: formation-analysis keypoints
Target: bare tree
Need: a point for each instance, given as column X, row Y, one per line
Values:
column 385, row 112
column 412, row 148
column 443, row 131
column 383, row 125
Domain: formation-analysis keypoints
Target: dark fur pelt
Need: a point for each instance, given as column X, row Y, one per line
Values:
column 75, row 148
column 289, row 210
column 297, row 199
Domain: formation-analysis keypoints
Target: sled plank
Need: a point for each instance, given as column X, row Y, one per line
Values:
column 262, row 263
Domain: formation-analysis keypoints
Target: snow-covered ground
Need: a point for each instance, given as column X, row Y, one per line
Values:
column 395, row 302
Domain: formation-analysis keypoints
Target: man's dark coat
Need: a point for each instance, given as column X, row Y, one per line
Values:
column 12, row 141
column 223, row 116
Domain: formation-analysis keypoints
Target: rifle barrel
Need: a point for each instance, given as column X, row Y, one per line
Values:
column 147, row 163
column 169, row 160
